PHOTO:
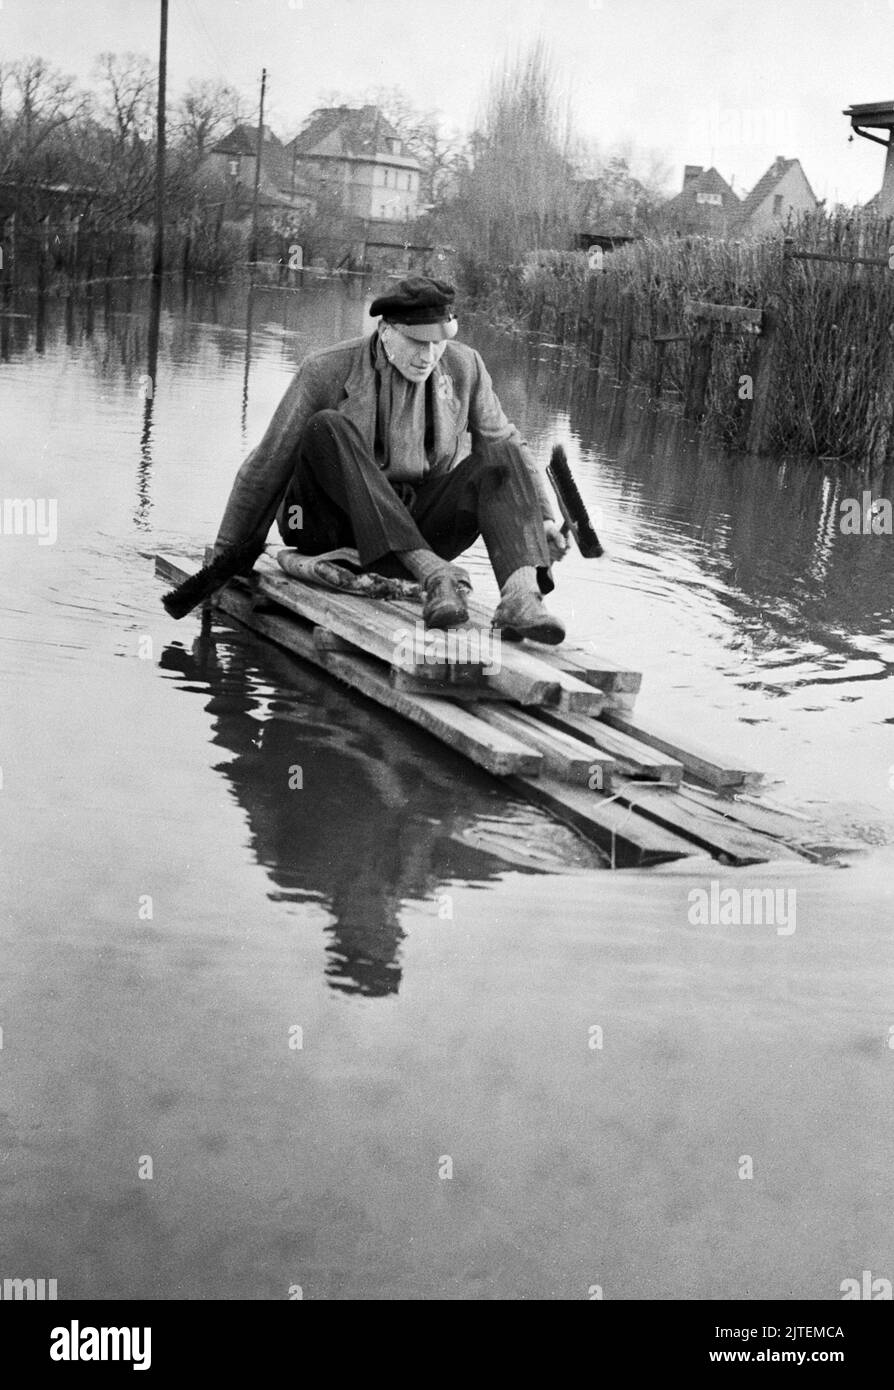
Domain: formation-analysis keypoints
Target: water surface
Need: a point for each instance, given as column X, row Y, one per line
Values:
column 172, row 909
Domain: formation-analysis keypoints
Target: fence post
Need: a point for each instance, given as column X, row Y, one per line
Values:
column 625, row 333
column 700, row 354
column 536, row 313
column 597, row 326
column 760, row 423
column 658, row 349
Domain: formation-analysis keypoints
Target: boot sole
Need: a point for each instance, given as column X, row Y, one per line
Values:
column 454, row 617
column 546, row 633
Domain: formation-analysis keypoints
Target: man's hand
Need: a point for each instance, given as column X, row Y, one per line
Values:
column 558, row 544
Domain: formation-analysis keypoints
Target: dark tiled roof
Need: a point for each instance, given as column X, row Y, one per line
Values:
column 359, row 131
column 276, row 161
column 765, row 185
column 243, row 139
column 708, row 181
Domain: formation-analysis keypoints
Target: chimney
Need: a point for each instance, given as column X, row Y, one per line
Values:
column 691, row 172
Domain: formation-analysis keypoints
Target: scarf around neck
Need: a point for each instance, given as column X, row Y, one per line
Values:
column 404, row 421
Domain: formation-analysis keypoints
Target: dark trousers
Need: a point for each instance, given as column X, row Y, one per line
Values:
column 339, row 496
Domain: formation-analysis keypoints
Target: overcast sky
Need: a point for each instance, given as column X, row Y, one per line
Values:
column 725, row 82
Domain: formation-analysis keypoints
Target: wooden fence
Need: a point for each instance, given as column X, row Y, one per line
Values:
column 603, row 326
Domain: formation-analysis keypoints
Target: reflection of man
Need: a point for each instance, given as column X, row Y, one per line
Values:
column 400, row 835
column 396, row 444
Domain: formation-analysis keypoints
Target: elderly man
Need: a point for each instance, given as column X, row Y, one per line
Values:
column 396, row 444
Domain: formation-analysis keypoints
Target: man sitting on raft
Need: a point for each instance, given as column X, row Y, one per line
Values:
column 397, row 445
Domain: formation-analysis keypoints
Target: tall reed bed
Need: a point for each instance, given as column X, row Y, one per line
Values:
column 833, row 386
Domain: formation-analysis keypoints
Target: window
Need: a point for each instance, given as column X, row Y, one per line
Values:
column 385, row 177
column 777, row 204
column 715, row 200
column 233, row 167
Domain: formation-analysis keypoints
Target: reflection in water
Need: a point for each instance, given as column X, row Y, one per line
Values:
column 762, row 537
column 377, row 819
column 149, row 385
column 249, row 316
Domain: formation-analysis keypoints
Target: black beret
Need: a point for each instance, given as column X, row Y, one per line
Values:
column 416, row 300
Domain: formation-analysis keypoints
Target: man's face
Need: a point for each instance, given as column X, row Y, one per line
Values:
column 414, row 359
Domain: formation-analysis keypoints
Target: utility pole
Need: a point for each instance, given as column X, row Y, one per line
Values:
column 158, row 254
column 254, row 207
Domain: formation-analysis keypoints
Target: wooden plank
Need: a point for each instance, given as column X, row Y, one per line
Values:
column 530, row 681
column 468, row 692
column 697, row 758
column 772, row 821
column 490, row 748
column 879, row 261
column 326, row 641
column 564, row 756
column 497, row 752
column 526, row 676
column 628, row 839
column 735, row 314
column 634, row 759
column 577, row 659
column 736, row 844
column 385, row 630
column 598, row 671
column 173, row 568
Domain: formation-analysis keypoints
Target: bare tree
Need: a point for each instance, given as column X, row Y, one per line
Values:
column 127, row 95
column 44, row 103
column 205, row 111
column 517, row 193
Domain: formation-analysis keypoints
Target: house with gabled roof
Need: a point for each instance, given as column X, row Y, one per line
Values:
column 706, row 203
column 358, row 152
column 781, row 192
column 232, row 160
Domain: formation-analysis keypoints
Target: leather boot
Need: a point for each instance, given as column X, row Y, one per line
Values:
column 445, row 598
column 524, row 615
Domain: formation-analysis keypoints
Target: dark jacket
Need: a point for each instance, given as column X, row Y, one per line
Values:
column 343, row 378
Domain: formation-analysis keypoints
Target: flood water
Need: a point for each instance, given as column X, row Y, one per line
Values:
column 172, row 912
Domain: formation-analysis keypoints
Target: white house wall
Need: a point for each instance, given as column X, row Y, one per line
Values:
column 796, row 198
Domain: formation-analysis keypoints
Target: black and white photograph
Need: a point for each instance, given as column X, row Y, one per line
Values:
column 447, row 665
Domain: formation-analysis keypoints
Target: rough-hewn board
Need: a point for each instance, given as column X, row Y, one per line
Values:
column 723, row 838
column 634, row 759
column 565, row 756
column 489, row 748
column 628, row 839
column 767, row 820
column 698, row 759
column 525, row 675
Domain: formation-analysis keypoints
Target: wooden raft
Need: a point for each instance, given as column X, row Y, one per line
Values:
column 556, row 724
